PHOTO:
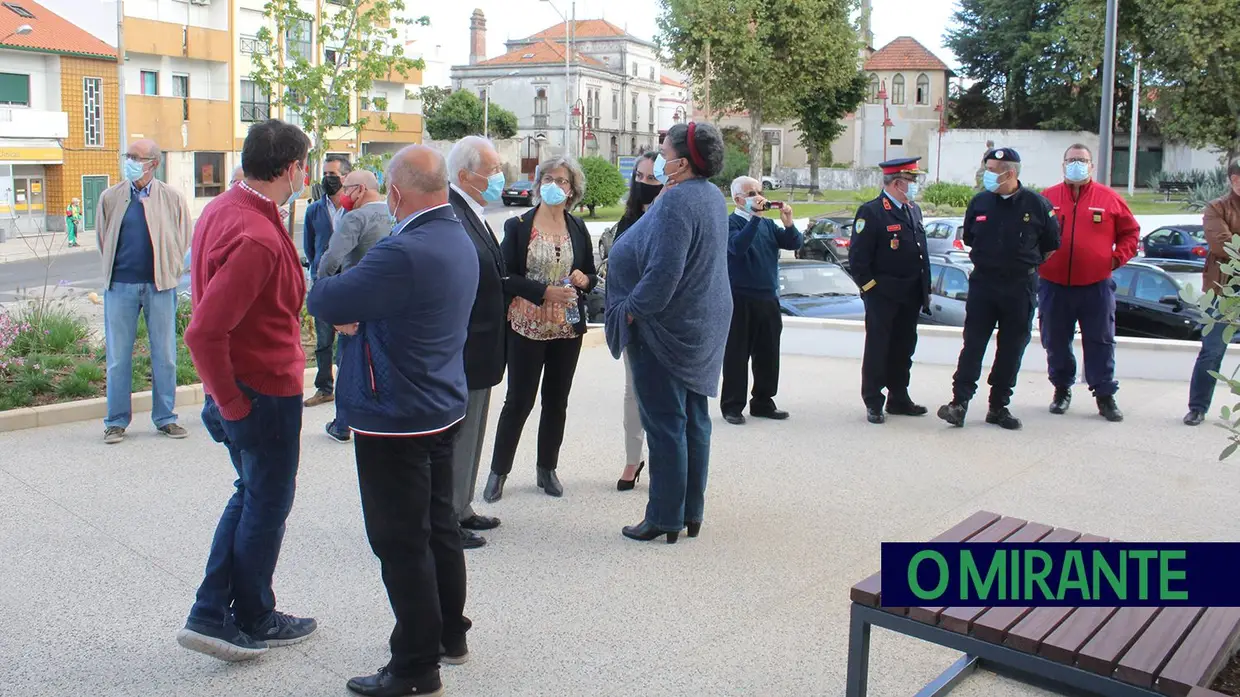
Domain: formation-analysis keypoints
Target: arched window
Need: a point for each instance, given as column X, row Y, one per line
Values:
column 923, row 89
column 540, row 102
column 897, row 89
column 873, row 98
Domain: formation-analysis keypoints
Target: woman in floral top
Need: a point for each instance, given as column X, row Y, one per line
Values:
column 550, row 266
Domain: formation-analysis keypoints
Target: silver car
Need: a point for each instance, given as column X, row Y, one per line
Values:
column 949, row 289
column 944, row 235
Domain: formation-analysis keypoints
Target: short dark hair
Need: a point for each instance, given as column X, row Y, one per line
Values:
column 1233, row 169
column 345, row 166
column 708, row 142
column 270, row 147
column 1079, row 146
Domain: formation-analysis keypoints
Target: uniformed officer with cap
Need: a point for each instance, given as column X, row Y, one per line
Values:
column 1011, row 231
column 888, row 260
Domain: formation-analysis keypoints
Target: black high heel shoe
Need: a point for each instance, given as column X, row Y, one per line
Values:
column 645, row 532
column 628, row 484
column 694, row 528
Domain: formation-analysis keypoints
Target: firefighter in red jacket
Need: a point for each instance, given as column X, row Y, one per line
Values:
column 1099, row 235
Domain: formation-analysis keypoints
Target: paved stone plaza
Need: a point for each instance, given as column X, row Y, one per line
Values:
column 101, row 548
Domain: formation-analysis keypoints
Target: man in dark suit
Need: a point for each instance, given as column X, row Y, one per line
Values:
column 888, row 260
column 322, row 216
column 477, row 178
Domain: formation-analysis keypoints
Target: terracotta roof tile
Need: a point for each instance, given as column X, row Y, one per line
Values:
column 545, row 51
column 905, row 53
column 583, row 29
column 670, row 82
column 52, row 33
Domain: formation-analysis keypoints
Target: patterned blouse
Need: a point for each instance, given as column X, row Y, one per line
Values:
column 548, row 262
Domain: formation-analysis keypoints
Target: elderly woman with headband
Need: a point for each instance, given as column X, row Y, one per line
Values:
column 668, row 309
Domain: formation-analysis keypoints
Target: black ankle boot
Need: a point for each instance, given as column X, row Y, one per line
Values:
column 549, row 483
column 1109, row 409
column 494, row 490
column 954, row 413
column 694, row 528
column 1001, row 417
column 645, row 532
column 1061, row 401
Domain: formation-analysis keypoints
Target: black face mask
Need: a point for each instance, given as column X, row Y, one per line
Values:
column 331, row 184
column 646, row 193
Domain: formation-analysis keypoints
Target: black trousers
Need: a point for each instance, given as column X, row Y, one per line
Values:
column 1007, row 304
column 406, row 485
column 553, row 364
column 756, row 327
column 890, row 340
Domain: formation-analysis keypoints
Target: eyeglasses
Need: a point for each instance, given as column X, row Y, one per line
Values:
column 558, row 181
column 137, row 158
column 750, row 194
column 1073, row 160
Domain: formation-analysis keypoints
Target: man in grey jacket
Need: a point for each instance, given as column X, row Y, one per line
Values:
column 359, row 230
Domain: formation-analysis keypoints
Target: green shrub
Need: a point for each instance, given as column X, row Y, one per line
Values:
column 53, row 328
column 75, row 387
column 90, row 372
column 53, row 363
column 14, row 398
column 735, row 164
column 867, row 194
column 948, row 194
column 604, row 184
column 1204, row 192
column 187, row 374
column 33, row 379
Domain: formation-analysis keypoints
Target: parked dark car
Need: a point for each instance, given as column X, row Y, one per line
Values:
column 1148, row 301
column 818, row 289
column 519, row 193
column 827, row 239
column 605, row 241
column 596, row 301
column 1175, row 242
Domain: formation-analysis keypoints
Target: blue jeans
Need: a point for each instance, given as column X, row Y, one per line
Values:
column 121, row 305
column 677, row 423
column 1210, row 358
column 265, row 448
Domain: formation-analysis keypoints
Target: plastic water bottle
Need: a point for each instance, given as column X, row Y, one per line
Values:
column 572, row 314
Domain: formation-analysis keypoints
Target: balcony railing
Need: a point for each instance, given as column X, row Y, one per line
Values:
column 540, row 120
column 251, row 44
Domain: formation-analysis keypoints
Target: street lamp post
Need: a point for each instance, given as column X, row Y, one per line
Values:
column 568, row 53
column 120, row 74
column 938, row 159
column 579, row 112
column 1106, row 121
column 887, row 124
column 486, row 102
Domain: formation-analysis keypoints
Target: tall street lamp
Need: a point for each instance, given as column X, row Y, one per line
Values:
column 568, row 53
column 938, row 160
column 486, row 102
column 887, row 124
column 23, row 30
column 579, row 112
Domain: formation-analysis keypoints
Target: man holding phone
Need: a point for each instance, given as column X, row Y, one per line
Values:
column 754, row 245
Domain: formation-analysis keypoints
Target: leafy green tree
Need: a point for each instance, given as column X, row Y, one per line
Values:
column 604, row 185
column 819, row 111
column 432, row 98
column 760, row 57
column 460, row 115
column 364, row 36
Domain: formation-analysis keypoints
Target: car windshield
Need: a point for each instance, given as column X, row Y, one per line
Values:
column 1191, row 281
column 813, row 281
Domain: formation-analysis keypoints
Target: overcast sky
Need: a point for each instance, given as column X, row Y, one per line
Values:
column 924, row 20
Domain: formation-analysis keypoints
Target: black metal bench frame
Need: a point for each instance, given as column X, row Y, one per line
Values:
column 1025, row 667
column 1168, row 188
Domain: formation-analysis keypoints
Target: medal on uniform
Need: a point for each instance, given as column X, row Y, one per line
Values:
column 895, row 242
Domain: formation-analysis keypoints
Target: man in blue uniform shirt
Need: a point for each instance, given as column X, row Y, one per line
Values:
column 1011, row 231
column 888, row 260
column 754, row 243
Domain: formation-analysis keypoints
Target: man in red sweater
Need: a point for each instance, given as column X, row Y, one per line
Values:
column 245, row 339
column 1099, row 235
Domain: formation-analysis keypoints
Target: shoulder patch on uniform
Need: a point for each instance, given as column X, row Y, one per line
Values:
column 860, row 225
column 886, row 203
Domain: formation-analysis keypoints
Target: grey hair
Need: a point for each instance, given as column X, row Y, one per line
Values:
column 466, row 155
column 576, row 179
column 738, row 184
column 402, row 173
column 345, row 165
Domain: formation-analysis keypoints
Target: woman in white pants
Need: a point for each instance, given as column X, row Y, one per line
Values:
column 643, row 190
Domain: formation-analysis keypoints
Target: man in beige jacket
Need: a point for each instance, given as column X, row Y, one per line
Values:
column 144, row 232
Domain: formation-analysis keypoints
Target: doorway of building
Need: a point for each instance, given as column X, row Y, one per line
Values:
column 28, row 198
column 92, row 188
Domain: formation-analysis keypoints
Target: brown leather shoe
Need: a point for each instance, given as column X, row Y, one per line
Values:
column 320, row 397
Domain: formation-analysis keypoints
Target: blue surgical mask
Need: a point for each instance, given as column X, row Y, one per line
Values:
column 552, row 194
column 495, row 187
column 990, row 180
column 295, row 193
column 913, row 189
column 659, row 164
column 133, row 170
column 1076, row 172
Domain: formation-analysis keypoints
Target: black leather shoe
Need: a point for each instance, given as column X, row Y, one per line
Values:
column 1194, row 417
column 1002, row 418
column 875, row 415
column 694, row 528
column 384, row 684
column 645, row 532
column 734, row 419
column 953, row 413
column 772, row 413
column 908, row 408
column 480, row 522
column 549, row 483
column 1061, row 401
column 494, row 490
column 471, row 539
column 1109, row 409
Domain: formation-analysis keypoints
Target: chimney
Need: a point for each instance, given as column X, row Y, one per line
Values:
column 477, row 37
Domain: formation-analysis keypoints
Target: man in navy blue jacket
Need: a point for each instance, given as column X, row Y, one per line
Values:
column 403, row 392
column 322, row 216
column 754, row 243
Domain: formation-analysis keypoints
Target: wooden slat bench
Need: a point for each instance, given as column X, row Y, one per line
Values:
column 1106, row 651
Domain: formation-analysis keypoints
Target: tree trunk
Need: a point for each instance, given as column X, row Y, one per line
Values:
column 814, row 153
column 757, row 148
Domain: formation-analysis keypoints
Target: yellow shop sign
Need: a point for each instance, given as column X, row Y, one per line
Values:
column 31, row 154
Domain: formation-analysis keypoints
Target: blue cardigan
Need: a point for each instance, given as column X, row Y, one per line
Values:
column 670, row 272
column 317, row 233
column 404, row 372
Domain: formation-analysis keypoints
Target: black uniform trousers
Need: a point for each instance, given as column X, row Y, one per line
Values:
column 1005, row 302
column 406, row 486
column 890, row 340
column 756, row 327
